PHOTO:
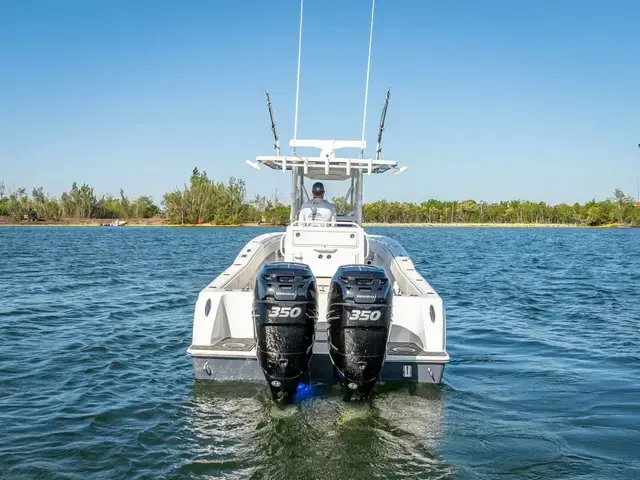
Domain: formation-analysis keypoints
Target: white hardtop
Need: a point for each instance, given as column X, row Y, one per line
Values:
column 327, row 166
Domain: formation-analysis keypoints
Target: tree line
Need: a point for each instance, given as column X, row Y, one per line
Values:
column 80, row 202
column 204, row 200
column 620, row 208
column 201, row 200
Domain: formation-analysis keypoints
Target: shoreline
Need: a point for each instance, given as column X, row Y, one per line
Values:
column 476, row 225
column 156, row 223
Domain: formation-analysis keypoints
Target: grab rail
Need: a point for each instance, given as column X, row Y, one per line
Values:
column 366, row 247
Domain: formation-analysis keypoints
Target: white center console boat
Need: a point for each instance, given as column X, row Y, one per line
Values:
column 323, row 301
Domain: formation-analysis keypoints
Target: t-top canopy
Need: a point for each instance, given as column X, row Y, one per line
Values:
column 327, row 166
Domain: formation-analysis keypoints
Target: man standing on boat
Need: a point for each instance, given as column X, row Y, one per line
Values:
column 317, row 209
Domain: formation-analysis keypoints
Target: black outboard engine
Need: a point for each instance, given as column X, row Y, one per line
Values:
column 285, row 310
column 359, row 319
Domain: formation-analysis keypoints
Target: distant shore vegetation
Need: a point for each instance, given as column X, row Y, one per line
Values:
column 205, row 201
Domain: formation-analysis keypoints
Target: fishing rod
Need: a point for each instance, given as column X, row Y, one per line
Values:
column 383, row 117
column 276, row 139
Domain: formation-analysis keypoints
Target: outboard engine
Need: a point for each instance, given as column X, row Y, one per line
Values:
column 359, row 320
column 285, row 311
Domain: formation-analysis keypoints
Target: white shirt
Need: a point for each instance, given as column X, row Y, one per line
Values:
column 317, row 210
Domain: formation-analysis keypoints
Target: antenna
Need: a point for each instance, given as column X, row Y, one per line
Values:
column 366, row 88
column 295, row 121
column 381, row 128
column 276, row 144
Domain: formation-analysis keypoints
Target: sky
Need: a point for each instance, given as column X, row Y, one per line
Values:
column 490, row 100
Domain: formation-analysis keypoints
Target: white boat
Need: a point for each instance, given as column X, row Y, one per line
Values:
column 115, row 223
column 323, row 301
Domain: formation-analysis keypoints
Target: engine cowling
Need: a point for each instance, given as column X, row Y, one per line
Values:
column 359, row 320
column 285, row 311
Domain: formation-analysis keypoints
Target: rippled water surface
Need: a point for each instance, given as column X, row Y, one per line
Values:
column 544, row 382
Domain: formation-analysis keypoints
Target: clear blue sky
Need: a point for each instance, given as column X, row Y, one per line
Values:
column 534, row 99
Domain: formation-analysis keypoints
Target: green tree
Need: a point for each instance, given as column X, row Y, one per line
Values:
column 4, row 201
column 625, row 206
column 18, row 204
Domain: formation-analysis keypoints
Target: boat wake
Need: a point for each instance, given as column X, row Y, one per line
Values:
column 394, row 433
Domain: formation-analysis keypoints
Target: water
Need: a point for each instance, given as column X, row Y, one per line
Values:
column 544, row 382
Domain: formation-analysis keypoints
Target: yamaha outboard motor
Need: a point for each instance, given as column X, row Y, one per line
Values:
column 285, row 310
column 359, row 319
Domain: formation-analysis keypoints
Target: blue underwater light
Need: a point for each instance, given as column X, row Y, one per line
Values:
column 305, row 391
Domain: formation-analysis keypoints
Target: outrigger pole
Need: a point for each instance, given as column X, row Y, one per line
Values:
column 366, row 88
column 295, row 120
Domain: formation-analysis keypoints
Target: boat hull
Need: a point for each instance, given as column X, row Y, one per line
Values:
column 223, row 346
column 247, row 368
column 320, row 370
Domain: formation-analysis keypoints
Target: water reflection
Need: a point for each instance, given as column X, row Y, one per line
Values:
column 236, row 431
